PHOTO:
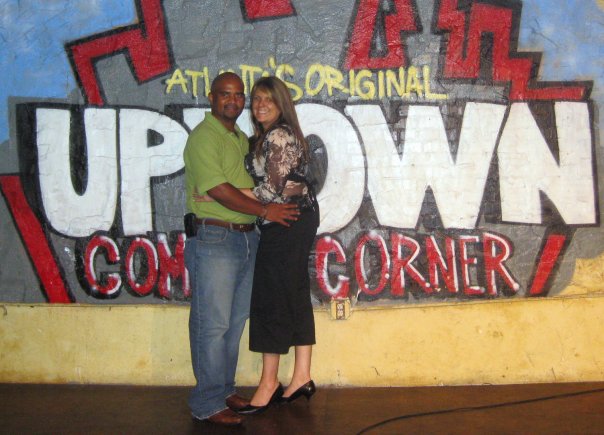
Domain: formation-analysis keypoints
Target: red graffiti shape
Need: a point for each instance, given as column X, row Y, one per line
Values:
column 102, row 245
column 148, row 257
column 401, row 20
column 172, row 266
column 549, row 257
column 463, row 51
column 259, row 9
column 359, row 263
column 324, row 248
column 35, row 241
column 145, row 44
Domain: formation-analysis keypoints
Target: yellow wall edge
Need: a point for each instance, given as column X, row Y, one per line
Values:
column 555, row 339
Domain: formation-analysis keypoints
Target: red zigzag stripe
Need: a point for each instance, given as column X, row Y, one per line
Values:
column 495, row 20
column 145, row 43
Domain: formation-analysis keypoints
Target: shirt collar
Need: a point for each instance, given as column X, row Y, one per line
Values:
column 215, row 123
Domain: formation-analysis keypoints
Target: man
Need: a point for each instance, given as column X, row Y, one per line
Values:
column 220, row 258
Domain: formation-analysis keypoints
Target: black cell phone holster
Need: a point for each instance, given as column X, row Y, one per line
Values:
column 190, row 225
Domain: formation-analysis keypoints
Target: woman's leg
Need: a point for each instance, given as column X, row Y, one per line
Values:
column 301, row 369
column 268, row 381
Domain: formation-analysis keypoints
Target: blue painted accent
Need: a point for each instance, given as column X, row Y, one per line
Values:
column 569, row 34
column 33, row 60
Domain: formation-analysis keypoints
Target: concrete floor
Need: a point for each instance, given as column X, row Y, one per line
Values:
column 513, row 409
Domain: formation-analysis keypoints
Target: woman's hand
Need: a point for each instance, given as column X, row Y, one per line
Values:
column 207, row 198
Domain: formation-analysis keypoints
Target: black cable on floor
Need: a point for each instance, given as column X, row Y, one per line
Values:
column 479, row 408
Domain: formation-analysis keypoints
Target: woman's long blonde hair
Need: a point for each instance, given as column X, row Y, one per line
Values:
column 280, row 95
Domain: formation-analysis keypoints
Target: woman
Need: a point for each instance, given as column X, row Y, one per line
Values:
column 281, row 312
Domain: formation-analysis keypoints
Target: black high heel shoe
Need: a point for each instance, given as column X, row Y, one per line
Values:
column 306, row 390
column 252, row 410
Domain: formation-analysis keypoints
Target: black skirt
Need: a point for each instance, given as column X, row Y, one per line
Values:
column 281, row 313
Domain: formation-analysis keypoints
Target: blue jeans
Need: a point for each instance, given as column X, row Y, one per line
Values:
column 221, row 268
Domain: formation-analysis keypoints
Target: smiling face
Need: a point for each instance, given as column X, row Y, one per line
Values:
column 264, row 108
column 227, row 99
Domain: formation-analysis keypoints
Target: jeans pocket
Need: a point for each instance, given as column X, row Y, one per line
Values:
column 212, row 235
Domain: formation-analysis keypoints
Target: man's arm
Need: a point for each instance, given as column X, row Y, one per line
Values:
column 230, row 197
column 247, row 191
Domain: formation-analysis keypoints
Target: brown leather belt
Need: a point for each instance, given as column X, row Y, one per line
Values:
column 243, row 228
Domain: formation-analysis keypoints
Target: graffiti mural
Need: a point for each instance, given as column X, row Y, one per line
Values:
column 456, row 146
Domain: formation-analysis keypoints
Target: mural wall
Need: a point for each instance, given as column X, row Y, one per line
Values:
column 456, row 142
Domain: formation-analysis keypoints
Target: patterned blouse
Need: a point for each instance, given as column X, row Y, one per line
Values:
column 280, row 171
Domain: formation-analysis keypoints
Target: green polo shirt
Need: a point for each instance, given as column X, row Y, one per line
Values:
column 214, row 155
